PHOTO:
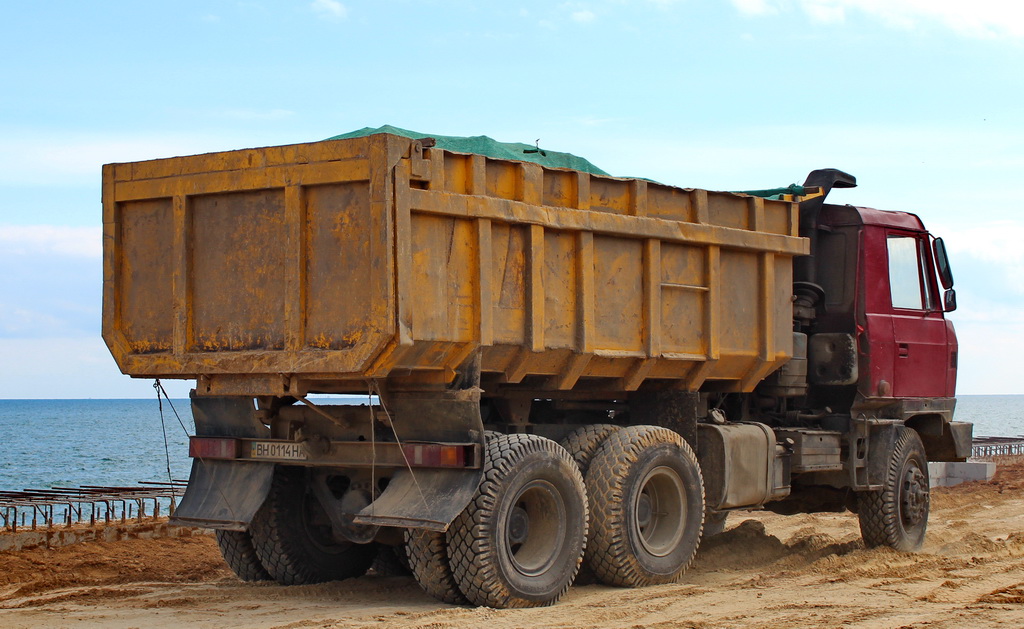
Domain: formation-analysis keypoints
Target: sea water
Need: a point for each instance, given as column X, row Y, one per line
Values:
column 992, row 415
column 68, row 443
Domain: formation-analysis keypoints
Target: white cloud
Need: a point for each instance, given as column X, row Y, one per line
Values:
column 329, row 8
column 755, row 7
column 52, row 239
column 978, row 18
column 53, row 159
column 593, row 121
column 16, row 321
column 825, row 11
column 997, row 245
column 583, row 16
column 987, row 353
column 890, row 162
column 82, row 366
column 994, row 241
column 36, row 157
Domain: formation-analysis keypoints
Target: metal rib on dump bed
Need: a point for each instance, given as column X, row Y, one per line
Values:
column 314, row 267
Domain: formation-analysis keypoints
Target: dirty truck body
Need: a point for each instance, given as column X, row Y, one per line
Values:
column 560, row 368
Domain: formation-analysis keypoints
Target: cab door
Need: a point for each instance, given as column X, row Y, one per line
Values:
column 921, row 348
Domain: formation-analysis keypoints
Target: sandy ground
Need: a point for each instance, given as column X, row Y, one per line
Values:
column 765, row 571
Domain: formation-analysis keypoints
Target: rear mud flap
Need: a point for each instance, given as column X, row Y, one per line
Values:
column 223, row 494
column 426, row 499
column 430, row 498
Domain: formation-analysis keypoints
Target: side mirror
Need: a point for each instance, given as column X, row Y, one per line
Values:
column 942, row 262
column 949, row 300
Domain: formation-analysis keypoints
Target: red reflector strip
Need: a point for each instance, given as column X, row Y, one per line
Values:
column 434, row 455
column 212, row 448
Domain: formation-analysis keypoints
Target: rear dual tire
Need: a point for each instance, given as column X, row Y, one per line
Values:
column 292, row 538
column 582, row 445
column 520, row 541
column 430, row 565
column 239, row 553
column 647, row 507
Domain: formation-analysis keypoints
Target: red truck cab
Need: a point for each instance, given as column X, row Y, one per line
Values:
column 886, row 281
column 912, row 347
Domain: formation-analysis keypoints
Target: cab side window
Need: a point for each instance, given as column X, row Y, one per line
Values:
column 905, row 272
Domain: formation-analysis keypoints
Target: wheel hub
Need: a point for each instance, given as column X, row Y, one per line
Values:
column 644, row 511
column 518, row 525
column 535, row 528
column 914, row 501
column 660, row 511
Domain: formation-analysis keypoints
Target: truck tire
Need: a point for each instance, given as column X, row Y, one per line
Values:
column 428, row 560
column 714, row 524
column 897, row 515
column 520, row 540
column 292, row 536
column 647, row 507
column 583, row 443
column 391, row 561
column 240, row 555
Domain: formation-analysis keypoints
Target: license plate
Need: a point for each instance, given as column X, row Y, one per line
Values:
column 278, row 451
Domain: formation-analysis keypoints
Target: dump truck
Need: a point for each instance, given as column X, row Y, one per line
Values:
column 559, row 370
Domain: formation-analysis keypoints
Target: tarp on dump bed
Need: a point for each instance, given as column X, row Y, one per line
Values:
column 776, row 194
column 483, row 145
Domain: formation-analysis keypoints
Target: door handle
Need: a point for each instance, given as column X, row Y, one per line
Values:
column 904, row 350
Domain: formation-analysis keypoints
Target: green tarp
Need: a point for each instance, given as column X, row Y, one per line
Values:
column 775, row 193
column 483, row 145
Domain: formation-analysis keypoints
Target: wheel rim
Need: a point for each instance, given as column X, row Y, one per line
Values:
column 660, row 511
column 913, row 496
column 535, row 528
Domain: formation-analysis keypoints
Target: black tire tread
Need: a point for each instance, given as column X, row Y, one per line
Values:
column 470, row 553
column 878, row 512
column 608, row 551
column 428, row 560
column 274, row 530
column 584, row 442
column 391, row 561
column 240, row 555
column 714, row 524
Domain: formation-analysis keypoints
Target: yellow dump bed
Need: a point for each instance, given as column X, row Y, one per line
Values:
column 318, row 267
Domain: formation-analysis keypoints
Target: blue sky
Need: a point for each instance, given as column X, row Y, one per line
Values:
column 922, row 100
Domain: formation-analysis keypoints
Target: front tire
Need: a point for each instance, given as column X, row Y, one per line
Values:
column 897, row 515
column 292, row 536
column 520, row 541
column 647, row 507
